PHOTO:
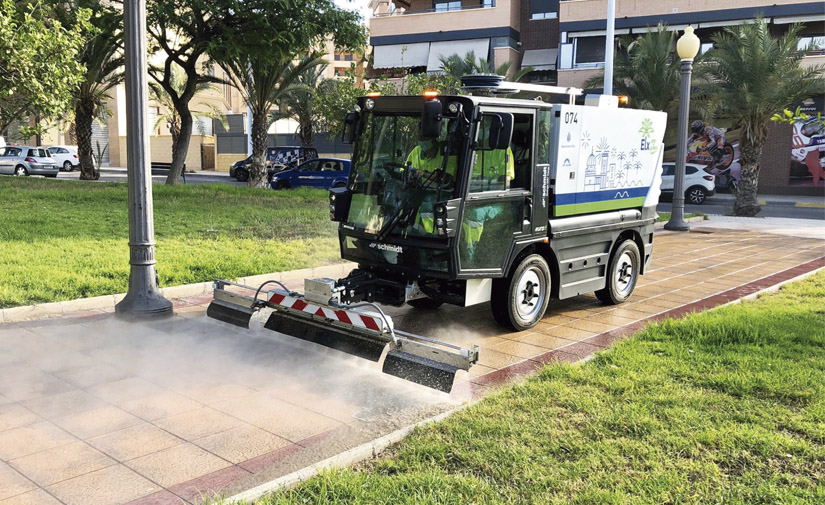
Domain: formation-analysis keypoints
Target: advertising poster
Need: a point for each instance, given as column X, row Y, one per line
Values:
column 808, row 147
column 711, row 148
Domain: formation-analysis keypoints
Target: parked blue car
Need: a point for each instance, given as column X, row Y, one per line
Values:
column 322, row 173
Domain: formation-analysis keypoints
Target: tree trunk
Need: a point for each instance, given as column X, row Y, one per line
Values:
column 257, row 173
column 305, row 133
column 180, row 146
column 83, row 117
column 747, row 200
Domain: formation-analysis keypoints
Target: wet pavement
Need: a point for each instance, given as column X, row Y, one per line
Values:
column 94, row 410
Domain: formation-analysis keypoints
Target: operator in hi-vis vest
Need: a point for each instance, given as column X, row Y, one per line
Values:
column 425, row 158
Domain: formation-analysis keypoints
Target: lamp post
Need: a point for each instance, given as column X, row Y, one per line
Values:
column 143, row 298
column 687, row 47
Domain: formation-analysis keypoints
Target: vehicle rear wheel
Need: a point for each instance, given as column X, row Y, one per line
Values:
column 20, row 171
column 519, row 302
column 282, row 185
column 67, row 166
column 241, row 175
column 425, row 303
column 622, row 274
column 696, row 195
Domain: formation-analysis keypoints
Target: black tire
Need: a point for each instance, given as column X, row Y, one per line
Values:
column 67, row 166
column 519, row 301
column 622, row 274
column 241, row 175
column 425, row 304
column 282, row 185
column 20, row 171
column 340, row 185
column 696, row 195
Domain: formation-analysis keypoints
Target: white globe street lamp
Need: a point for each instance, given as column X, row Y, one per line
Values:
column 687, row 47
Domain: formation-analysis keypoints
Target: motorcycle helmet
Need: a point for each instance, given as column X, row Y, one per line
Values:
column 697, row 126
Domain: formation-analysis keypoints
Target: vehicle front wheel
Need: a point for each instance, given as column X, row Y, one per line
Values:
column 282, row 185
column 519, row 301
column 425, row 303
column 67, row 166
column 696, row 195
column 20, row 171
column 241, row 175
column 622, row 274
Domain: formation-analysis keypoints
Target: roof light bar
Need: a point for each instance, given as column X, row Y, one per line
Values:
column 496, row 84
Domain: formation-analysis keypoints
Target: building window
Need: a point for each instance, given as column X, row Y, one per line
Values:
column 348, row 57
column 340, row 72
column 811, row 43
column 544, row 9
column 337, row 56
column 447, row 6
column 589, row 50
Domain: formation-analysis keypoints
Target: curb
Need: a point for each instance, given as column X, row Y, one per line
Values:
column 45, row 310
column 660, row 225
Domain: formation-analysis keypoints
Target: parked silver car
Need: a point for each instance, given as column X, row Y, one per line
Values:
column 26, row 160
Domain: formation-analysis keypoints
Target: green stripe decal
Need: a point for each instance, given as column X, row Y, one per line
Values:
column 587, row 208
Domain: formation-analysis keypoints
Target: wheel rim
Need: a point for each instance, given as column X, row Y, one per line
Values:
column 696, row 196
column 19, row 171
column 67, row 167
column 530, row 293
column 625, row 274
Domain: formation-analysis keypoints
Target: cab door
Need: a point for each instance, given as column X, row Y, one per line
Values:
column 498, row 207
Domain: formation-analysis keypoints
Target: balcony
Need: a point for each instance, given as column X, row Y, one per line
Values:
column 399, row 18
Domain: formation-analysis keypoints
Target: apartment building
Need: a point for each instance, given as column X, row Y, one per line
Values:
column 582, row 25
column 413, row 35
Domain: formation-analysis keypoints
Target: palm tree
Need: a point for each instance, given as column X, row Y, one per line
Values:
column 756, row 75
column 265, row 83
column 301, row 105
column 646, row 70
column 102, row 58
column 168, row 114
column 456, row 66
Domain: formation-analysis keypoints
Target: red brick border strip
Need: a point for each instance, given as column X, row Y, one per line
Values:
column 587, row 347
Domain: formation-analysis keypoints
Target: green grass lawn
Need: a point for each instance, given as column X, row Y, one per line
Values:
column 726, row 406
column 67, row 239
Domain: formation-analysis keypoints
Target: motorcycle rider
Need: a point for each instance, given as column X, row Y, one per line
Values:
column 714, row 138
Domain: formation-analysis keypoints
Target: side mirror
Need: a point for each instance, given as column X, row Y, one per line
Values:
column 339, row 203
column 431, row 119
column 500, row 129
column 350, row 125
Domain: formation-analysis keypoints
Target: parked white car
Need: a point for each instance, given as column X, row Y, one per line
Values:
column 699, row 184
column 66, row 157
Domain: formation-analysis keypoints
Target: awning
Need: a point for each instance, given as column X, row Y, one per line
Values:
column 481, row 48
column 401, row 55
column 540, row 59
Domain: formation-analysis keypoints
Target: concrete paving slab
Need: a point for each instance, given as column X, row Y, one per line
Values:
column 188, row 405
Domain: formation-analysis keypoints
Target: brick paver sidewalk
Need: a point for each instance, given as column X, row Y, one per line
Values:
column 97, row 411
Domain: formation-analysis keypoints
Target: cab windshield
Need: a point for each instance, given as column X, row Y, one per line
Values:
column 399, row 175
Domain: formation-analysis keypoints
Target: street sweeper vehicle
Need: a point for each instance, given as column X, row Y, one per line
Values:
column 467, row 200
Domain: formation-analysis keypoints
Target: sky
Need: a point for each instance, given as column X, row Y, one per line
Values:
column 363, row 6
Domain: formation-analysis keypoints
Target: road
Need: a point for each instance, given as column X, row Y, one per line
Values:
column 119, row 175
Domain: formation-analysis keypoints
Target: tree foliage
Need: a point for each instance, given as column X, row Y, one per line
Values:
column 262, row 67
column 101, row 56
column 39, row 64
column 756, row 75
column 301, row 103
column 184, row 33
